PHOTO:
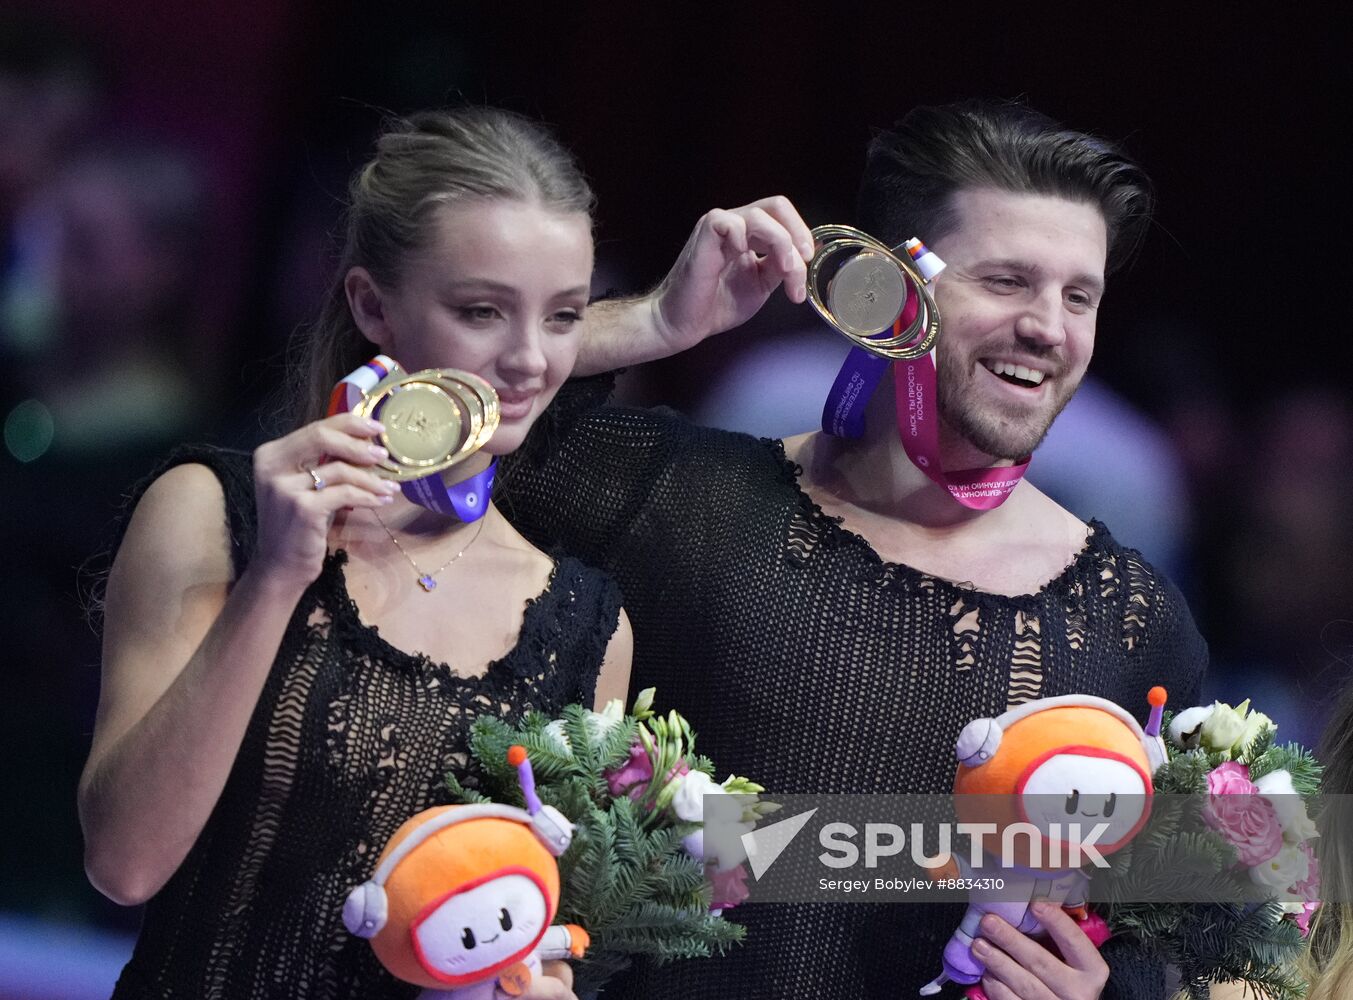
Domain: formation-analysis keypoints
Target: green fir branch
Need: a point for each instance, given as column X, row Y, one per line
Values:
column 463, row 795
column 626, row 878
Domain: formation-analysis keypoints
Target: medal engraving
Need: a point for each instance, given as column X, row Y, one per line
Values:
column 422, row 424
column 866, row 294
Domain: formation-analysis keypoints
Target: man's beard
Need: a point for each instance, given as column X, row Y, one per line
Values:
column 986, row 427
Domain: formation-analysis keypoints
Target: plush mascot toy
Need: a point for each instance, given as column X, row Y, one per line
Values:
column 1059, row 769
column 463, row 896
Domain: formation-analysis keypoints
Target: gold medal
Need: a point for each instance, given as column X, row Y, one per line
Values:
column 861, row 287
column 422, row 423
column 434, row 419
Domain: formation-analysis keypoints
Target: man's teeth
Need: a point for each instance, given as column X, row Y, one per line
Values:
column 1031, row 375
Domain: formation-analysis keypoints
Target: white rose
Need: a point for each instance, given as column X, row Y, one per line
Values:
column 1278, row 789
column 598, row 725
column 689, row 801
column 1186, row 728
column 1223, row 726
column 1284, row 870
column 720, row 841
column 611, row 714
column 556, row 732
column 1254, row 722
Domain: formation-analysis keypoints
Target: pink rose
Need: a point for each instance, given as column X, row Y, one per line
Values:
column 1236, row 811
column 633, row 776
column 1231, row 779
column 730, row 887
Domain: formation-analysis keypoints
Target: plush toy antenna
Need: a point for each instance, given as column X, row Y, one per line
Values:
column 1156, row 696
column 516, row 756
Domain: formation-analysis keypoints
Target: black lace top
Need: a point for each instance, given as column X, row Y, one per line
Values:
column 807, row 663
column 350, row 738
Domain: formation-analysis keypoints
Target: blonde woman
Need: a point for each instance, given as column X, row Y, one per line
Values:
column 294, row 651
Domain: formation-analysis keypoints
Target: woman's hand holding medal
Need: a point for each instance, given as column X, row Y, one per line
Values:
column 303, row 479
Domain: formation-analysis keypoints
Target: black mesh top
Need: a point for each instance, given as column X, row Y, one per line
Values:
column 806, row 663
column 350, row 738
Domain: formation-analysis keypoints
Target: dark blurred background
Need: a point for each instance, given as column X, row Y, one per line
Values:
column 170, row 176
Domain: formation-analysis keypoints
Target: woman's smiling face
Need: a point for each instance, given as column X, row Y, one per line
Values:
column 499, row 290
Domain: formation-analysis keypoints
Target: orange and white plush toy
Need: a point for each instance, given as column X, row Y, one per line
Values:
column 1056, row 779
column 463, row 897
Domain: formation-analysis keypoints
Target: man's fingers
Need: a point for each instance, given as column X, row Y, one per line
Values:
column 783, row 211
column 1078, row 951
column 768, row 237
column 781, row 260
column 1003, row 968
column 997, row 990
column 731, row 229
column 1033, row 972
column 1022, row 952
column 796, row 281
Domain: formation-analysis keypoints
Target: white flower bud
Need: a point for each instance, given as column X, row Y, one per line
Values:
column 691, row 788
column 1282, row 871
column 1277, row 787
column 694, row 844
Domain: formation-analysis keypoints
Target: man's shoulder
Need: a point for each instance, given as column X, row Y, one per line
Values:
column 1155, row 610
column 669, row 435
column 1130, row 562
column 1098, row 544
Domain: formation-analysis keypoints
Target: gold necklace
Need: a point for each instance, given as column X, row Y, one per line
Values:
column 428, row 580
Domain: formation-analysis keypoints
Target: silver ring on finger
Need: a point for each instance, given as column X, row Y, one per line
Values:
column 316, row 480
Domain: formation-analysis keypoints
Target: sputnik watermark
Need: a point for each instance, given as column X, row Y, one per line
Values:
column 1074, row 851
column 938, row 848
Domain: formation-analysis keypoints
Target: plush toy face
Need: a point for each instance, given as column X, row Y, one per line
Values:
column 481, row 926
column 1064, row 765
column 457, row 886
column 1080, row 788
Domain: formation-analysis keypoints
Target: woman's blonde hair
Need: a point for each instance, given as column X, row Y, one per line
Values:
column 1328, row 962
column 428, row 159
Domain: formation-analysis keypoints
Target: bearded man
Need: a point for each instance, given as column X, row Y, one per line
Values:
column 828, row 612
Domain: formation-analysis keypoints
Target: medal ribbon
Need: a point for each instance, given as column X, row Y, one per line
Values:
column 467, row 500
column 918, row 426
column 859, row 377
column 917, row 421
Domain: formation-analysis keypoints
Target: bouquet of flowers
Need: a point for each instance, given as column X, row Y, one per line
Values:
column 1240, row 838
column 639, row 875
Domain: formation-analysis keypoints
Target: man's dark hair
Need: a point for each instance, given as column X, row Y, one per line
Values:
column 913, row 170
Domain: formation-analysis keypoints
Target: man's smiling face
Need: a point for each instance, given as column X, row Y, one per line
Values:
column 1017, row 305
